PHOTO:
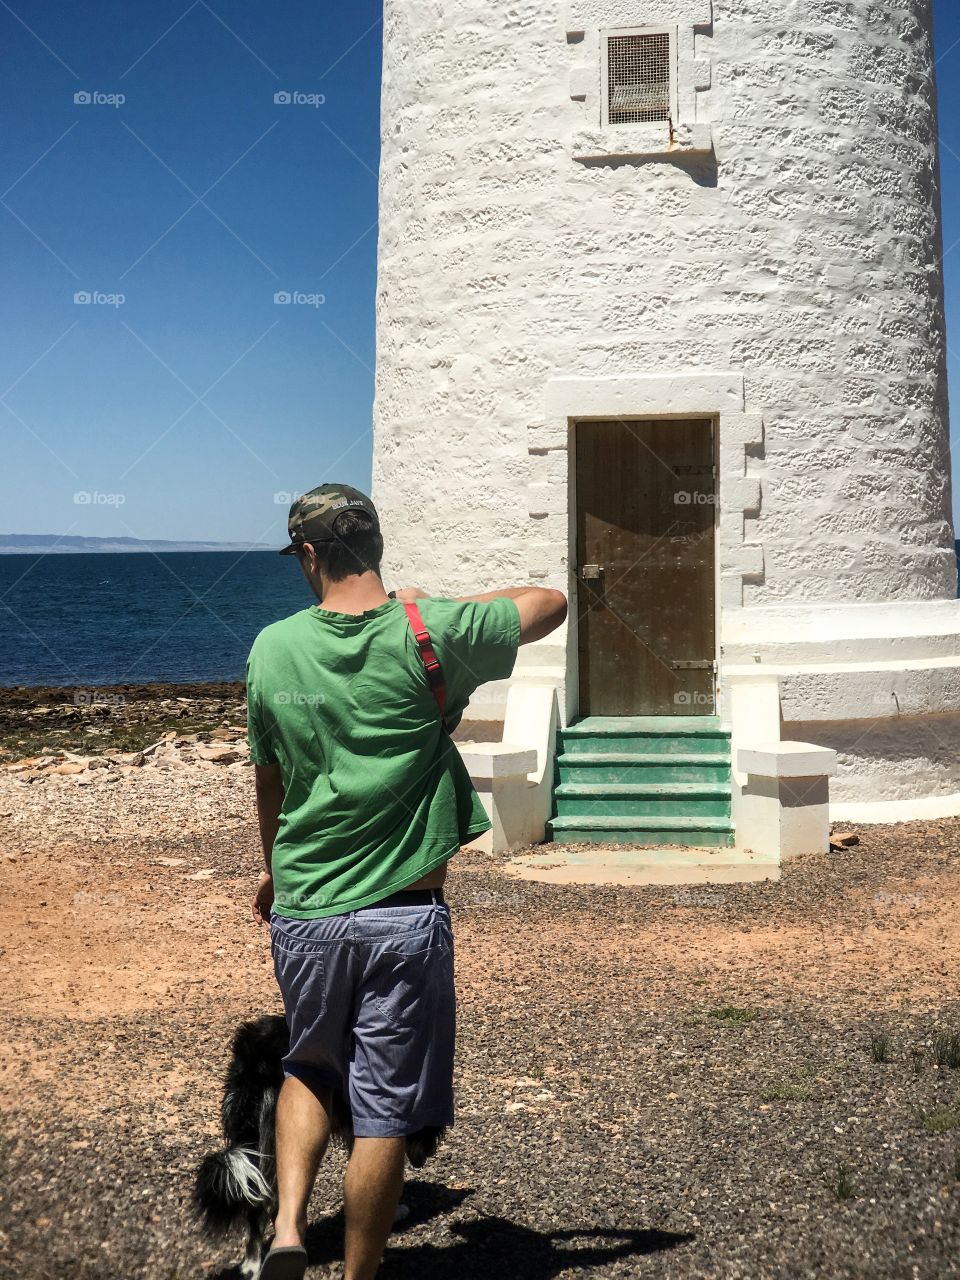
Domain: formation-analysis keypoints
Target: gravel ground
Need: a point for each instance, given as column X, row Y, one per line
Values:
column 651, row 1082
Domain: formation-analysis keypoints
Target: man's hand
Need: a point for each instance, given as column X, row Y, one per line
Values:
column 263, row 899
column 409, row 594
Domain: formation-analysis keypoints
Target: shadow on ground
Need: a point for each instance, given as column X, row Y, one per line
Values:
column 485, row 1244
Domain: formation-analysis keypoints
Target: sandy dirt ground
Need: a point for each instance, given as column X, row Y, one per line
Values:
column 671, row 1082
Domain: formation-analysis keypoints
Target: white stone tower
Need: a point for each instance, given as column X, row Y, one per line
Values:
column 661, row 323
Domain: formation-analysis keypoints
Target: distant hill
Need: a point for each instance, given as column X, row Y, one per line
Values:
column 52, row 544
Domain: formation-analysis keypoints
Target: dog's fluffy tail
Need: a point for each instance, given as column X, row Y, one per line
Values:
column 422, row 1145
column 228, row 1185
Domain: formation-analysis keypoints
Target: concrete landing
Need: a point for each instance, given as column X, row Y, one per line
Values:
column 652, row 866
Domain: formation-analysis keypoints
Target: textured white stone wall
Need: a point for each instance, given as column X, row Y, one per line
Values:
column 783, row 258
column 804, row 258
column 889, row 759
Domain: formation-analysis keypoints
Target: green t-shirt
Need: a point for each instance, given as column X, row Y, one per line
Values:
column 376, row 794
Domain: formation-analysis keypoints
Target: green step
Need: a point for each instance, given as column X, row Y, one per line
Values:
column 644, row 780
column 660, row 735
column 639, row 800
column 628, row 766
column 710, row 833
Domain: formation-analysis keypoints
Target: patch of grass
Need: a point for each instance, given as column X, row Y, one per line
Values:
column 880, row 1046
column 942, row 1119
column 946, row 1049
column 841, row 1183
column 732, row 1013
column 789, row 1091
column 797, row 1087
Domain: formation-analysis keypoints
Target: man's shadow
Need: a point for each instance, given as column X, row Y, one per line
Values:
column 485, row 1245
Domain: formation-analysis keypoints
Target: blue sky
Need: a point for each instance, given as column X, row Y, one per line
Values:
column 186, row 408
column 198, row 199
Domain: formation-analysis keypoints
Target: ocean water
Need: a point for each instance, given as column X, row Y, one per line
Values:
column 138, row 618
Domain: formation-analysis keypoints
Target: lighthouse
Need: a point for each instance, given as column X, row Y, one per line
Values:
column 660, row 323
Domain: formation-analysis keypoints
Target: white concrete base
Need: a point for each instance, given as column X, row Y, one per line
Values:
column 499, row 771
column 644, row 867
column 923, row 808
column 514, row 778
column 782, row 809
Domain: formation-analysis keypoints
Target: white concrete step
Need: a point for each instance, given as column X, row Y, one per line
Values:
column 650, row 866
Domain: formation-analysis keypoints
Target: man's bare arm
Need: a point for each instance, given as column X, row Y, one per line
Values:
column 270, row 793
column 269, row 786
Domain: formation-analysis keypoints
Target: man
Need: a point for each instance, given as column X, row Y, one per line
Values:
column 362, row 800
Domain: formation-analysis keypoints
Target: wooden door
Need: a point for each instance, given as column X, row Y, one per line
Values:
column 646, row 505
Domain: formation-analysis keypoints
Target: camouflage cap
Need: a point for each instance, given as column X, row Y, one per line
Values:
column 312, row 515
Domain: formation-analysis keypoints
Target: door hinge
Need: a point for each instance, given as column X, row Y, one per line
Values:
column 700, row 664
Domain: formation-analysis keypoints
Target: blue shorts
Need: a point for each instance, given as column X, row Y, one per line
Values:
column 370, row 1005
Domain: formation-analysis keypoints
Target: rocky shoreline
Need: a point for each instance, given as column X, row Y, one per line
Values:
column 131, row 761
column 58, row 731
column 148, row 753
column 47, row 727
column 226, row 746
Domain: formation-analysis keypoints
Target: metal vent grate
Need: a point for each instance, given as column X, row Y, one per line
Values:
column 638, row 78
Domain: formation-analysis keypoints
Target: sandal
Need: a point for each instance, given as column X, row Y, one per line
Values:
column 288, row 1263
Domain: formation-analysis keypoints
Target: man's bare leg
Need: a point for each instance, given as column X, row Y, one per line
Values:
column 302, row 1134
column 371, row 1191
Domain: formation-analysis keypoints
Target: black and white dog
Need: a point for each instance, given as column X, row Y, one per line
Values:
column 237, row 1186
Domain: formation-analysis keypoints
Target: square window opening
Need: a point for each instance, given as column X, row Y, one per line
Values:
column 639, row 76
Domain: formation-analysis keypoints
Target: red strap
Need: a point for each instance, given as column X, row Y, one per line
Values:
column 428, row 656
